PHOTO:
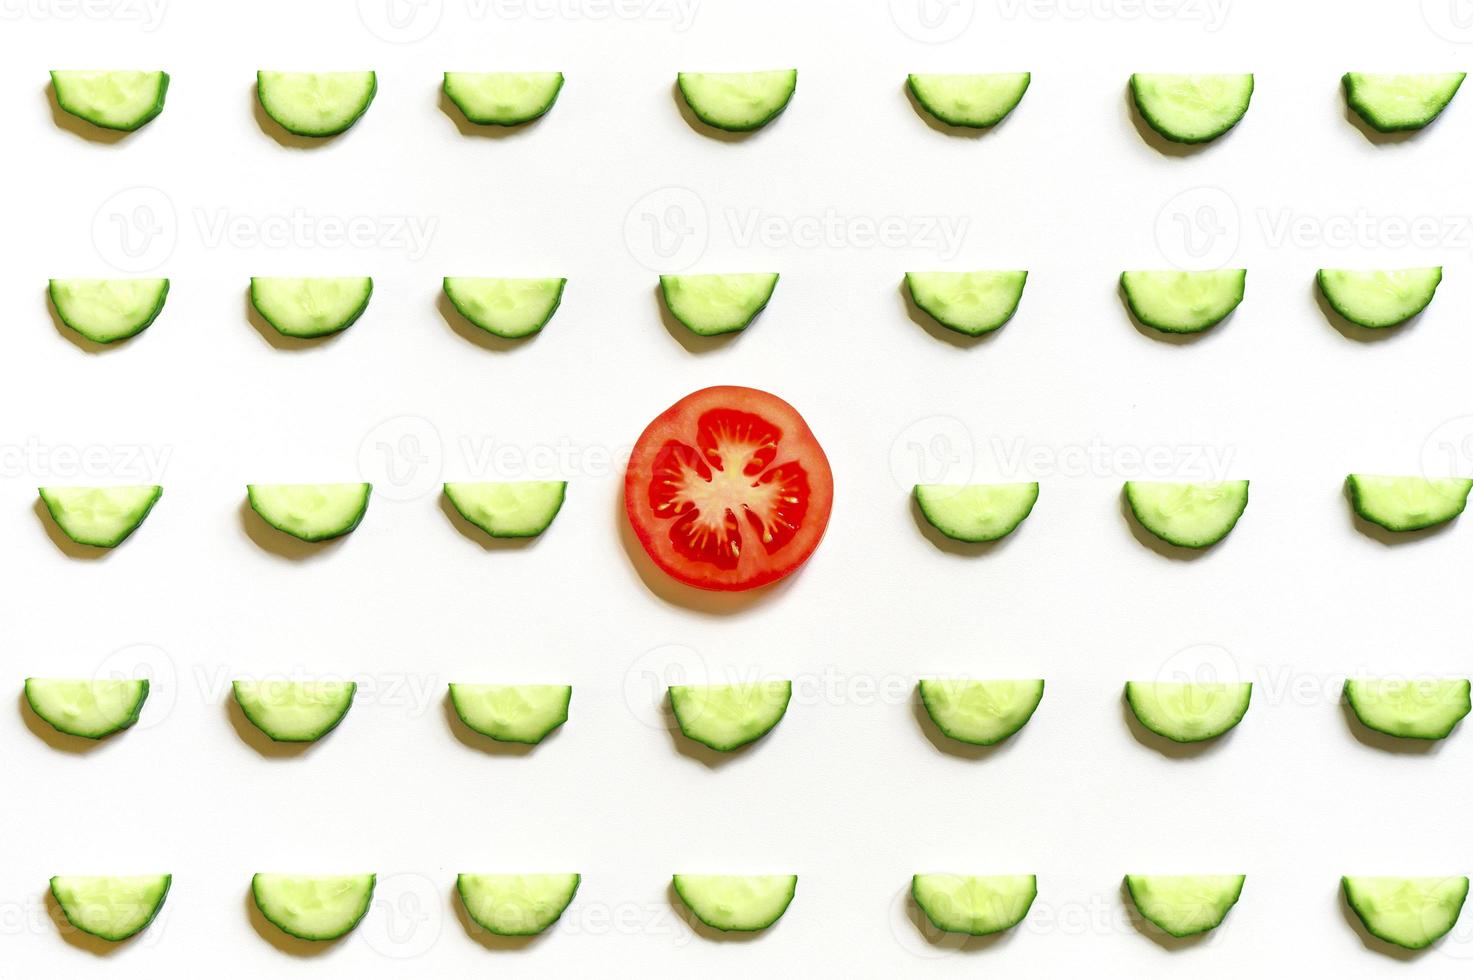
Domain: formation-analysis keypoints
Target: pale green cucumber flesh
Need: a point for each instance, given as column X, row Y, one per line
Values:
column 1188, row 712
column 101, row 517
column 709, row 305
column 294, row 711
column 971, row 303
column 1407, row 503
column 315, row 103
column 508, row 308
column 1379, row 298
column 1398, row 103
column 727, row 716
column 736, row 903
column 119, row 100
column 1188, row 515
column 516, row 905
column 737, row 101
column 974, row 905
column 503, row 98
column 973, row 101
column 1421, row 709
column 976, row 512
column 522, row 509
column 86, row 708
column 1409, row 912
column 310, row 511
column 108, row 310
column 315, row 908
column 523, row 713
column 111, row 908
column 1184, row 905
column 1183, row 302
column 310, row 308
column 1191, row 108
column 980, row 712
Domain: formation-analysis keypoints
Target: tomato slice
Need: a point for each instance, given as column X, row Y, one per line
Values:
column 727, row 489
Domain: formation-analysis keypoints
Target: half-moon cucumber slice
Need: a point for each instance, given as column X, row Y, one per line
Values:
column 1409, row 912
column 1188, row 515
column 971, row 303
column 86, row 708
column 120, row 100
column 974, row 905
column 1397, row 103
column 974, row 101
column 709, row 305
column 978, row 511
column 101, row 517
column 516, row 905
column 1379, row 298
column 521, row 509
column 315, row 103
column 310, row 511
column 1188, row 712
column 111, row 908
column 980, row 712
column 727, row 716
column 106, row 311
column 502, row 98
column 1424, row 709
column 1191, row 108
column 315, row 908
column 1184, row 905
column 294, row 711
column 523, row 713
column 508, row 308
column 1183, row 302
column 1407, row 503
column 737, row 903
column 309, row 308
column 738, row 102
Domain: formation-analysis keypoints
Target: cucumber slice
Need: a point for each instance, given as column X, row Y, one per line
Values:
column 516, row 905
column 716, row 304
column 503, row 98
column 106, row 311
column 310, row 511
column 315, row 103
column 294, row 711
column 308, row 308
column 1407, row 503
column 1380, row 298
column 978, row 511
column 727, row 716
column 1184, row 905
column 523, row 713
column 1191, row 108
column 980, row 712
column 738, row 102
column 509, row 510
column 508, row 308
column 111, row 908
column 99, row 516
column 120, row 100
column 87, row 709
column 971, row 303
column 1188, row 712
column 973, row 905
column 974, row 101
column 315, row 908
column 1426, row 709
column 1408, row 912
column 1183, row 302
column 1188, row 515
column 737, row 903
column 1397, row 103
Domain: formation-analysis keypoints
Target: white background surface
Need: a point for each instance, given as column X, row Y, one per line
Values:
column 848, row 792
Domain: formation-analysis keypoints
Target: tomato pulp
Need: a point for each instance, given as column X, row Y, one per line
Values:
column 727, row 489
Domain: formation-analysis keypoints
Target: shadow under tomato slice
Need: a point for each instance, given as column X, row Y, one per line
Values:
column 728, row 489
